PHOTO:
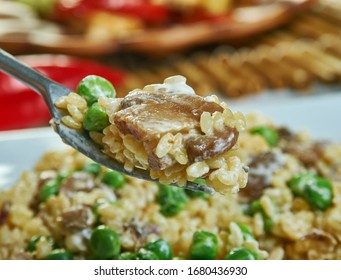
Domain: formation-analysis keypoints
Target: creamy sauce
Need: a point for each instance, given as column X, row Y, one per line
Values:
column 175, row 85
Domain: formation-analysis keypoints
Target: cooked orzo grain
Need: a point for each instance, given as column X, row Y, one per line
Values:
column 60, row 207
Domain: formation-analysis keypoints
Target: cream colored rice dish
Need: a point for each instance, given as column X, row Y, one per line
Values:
column 68, row 207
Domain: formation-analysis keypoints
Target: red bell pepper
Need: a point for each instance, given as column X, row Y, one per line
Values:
column 143, row 9
column 21, row 107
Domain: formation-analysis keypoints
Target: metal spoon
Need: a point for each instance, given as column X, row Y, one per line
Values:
column 78, row 139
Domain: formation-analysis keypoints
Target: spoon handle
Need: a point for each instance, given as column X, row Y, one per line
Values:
column 25, row 74
column 49, row 89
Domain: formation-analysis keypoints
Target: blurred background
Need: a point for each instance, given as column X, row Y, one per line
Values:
column 250, row 51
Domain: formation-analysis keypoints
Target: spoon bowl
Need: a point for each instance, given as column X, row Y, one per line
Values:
column 78, row 139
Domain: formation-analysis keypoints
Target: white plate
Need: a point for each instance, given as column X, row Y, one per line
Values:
column 318, row 114
column 21, row 149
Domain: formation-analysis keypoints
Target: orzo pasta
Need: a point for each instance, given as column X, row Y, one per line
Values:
column 290, row 208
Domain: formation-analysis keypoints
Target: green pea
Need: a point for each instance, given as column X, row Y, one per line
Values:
column 269, row 134
column 299, row 182
column 204, row 246
column 105, row 242
column 114, row 179
column 161, row 248
column 316, row 190
column 95, row 119
column 247, row 234
column 171, row 200
column 92, row 87
column 127, row 256
column 144, row 254
column 60, row 254
column 242, row 253
column 92, row 168
column 320, row 194
column 31, row 246
column 51, row 188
